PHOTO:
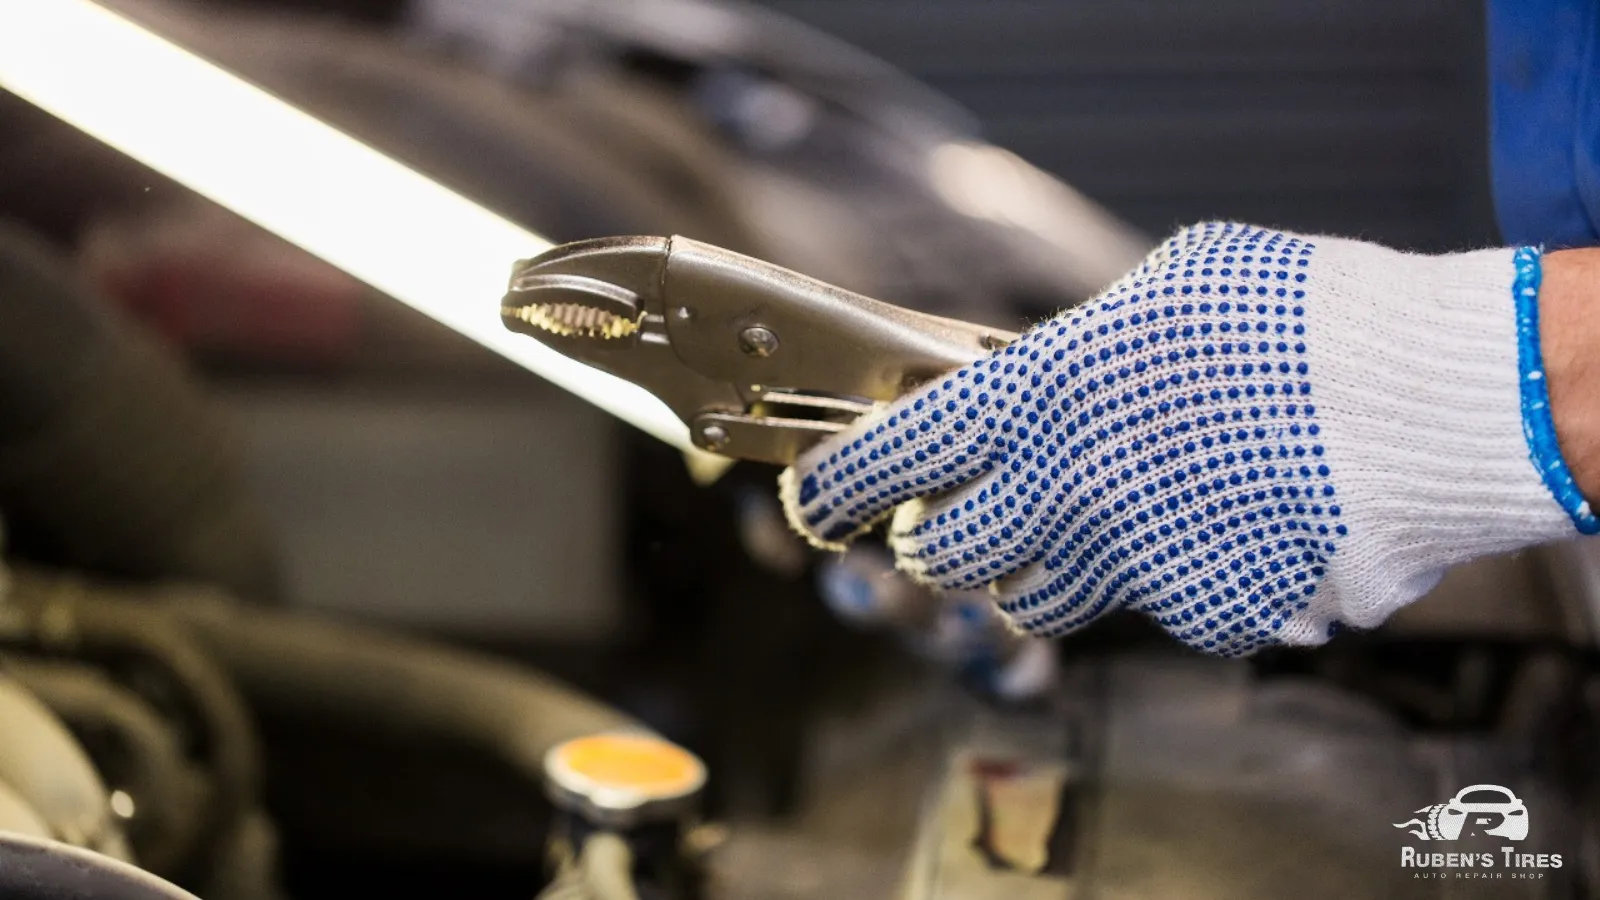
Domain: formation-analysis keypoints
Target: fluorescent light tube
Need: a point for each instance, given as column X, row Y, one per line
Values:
column 295, row 176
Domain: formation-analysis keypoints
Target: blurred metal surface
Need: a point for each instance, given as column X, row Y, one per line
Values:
column 845, row 168
column 33, row 869
column 517, row 36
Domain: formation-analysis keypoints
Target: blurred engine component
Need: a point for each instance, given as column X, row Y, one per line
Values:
column 160, row 793
column 626, row 806
column 109, row 458
column 621, row 780
column 835, row 164
column 147, row 679
column 602, row 869
column 1188, row 778
column 179, row 738
column 48, row 786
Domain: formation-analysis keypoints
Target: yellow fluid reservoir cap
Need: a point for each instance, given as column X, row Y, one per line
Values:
column 622, row 778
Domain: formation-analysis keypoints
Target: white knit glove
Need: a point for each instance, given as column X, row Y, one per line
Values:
column 1254, row 438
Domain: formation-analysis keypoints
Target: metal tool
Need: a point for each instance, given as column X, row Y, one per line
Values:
column 760, row 362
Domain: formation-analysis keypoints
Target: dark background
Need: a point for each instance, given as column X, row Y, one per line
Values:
column 1359, row 117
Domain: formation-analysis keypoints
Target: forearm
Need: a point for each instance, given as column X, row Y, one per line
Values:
column 1569, row 334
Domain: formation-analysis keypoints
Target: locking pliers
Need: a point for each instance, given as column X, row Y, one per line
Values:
column 760, row 362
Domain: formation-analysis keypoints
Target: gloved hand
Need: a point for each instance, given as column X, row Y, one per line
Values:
column 1254, row 438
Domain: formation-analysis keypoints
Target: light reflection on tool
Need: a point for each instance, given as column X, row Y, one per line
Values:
column 760, row 362
column 291, row 174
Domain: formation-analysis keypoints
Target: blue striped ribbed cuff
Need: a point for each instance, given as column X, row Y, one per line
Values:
column 1537, row 425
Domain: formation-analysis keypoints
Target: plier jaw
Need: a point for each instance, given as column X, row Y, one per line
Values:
column 760, row 362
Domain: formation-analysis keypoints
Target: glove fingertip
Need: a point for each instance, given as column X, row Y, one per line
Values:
column 1036, row 603
column 794, row 492
column 911, row 550
column 905, row 547
column 1011, row 623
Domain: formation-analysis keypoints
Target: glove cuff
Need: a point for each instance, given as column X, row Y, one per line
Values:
column 1439, row 436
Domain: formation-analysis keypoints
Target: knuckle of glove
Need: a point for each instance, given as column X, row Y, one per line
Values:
column 1177, row 458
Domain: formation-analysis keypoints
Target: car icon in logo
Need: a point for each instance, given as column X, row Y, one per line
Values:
column 1479, row 809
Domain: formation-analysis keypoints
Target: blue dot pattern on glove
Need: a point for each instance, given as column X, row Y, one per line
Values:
column 1156, row 449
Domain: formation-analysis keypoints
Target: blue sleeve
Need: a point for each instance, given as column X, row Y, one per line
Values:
column 1544, row 72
